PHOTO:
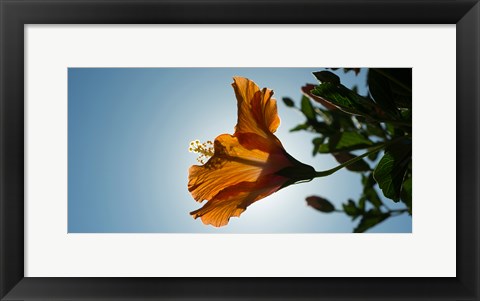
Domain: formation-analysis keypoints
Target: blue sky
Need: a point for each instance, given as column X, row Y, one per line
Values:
column 128, row 135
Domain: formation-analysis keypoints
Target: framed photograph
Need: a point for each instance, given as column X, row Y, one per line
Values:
column 239, row 150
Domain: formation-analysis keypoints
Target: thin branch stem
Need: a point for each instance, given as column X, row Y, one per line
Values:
column 328, row 172
column 398, row 211
column 324, row 173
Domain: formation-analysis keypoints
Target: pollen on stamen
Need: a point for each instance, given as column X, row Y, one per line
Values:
column 205, row 150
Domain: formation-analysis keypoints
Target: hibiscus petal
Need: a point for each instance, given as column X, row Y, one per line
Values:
column 257, row 110
column 232, row 201
column 231, row 164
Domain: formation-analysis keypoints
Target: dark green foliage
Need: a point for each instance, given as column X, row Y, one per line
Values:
column 348, row 124
column 288, row 102
column 307, row 108
column 379, row 87
column 327, row 77
column 390, row 171
column 369, row 192
column 300, row 127
column 343, row 157
column 370, row 219
column 317, row 142
column 406, row 193
column 347, row 141
column 351, row 209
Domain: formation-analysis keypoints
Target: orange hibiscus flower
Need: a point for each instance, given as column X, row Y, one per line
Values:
column 246, row 166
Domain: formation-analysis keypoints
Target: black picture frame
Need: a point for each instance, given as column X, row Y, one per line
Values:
column 14, row 14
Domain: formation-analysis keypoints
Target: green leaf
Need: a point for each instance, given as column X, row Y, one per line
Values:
column 307, row 90
column 371, row 218
column 300, row 127
column 324, row 148
column 386, row 174
column 407, row 194
column 347, row 141
column 327, row 77
column 317, row 142
column 320, row 127
column 374, row 128
column 368, row 181
column 372, row 196
column 351, row 209
column 391, row 169
column 347, row 100
column 307, row 108
column 361, row 203
column 400, row 84
column 406, row 114
column 338, row 97
column 373, row 156
column 320, row 204
column 343, row 121
column 359, row 166
column 355, row 89
column 390, row 129
column 381, row 91
column 288, row 102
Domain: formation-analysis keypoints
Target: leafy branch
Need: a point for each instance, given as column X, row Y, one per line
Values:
column 379, row 123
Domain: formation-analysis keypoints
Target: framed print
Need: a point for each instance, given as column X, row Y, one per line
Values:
column 313, row 120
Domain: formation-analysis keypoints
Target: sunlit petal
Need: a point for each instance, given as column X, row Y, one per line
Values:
column 234, row 200
column 257, row 111
column 233, row 163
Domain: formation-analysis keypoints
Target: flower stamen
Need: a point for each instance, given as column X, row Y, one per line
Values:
column 205, row 150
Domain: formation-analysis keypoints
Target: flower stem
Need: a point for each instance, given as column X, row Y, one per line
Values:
column 328, row 172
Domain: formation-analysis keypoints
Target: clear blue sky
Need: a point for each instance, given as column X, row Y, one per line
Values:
column 128, row 136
